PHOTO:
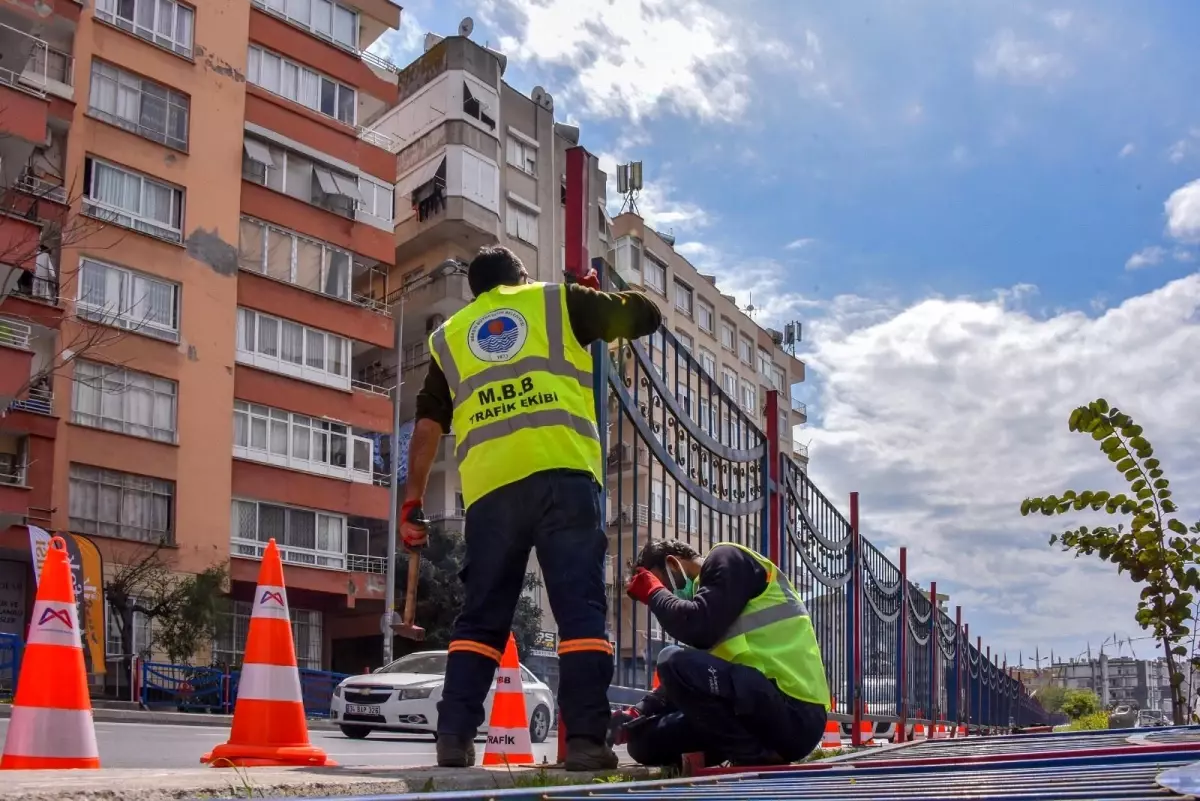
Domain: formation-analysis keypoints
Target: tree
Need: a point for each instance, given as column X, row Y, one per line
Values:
column 1052, row 697
column 1077, row 704
column 183, row 611
column 440, row 593
column 1158, row 551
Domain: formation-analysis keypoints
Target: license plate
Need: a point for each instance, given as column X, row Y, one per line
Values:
column 362, row 709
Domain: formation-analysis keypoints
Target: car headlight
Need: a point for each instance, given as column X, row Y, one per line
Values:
column 337, row 691
column 416, row 693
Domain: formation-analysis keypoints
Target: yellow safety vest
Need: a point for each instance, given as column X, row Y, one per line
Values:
column 522, row 388
column 774, row 635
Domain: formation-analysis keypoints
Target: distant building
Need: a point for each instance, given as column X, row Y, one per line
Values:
column 1118, row 680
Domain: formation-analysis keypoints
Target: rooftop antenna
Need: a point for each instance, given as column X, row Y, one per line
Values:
column 792, row 335
column 629, row 185
column 750, row 308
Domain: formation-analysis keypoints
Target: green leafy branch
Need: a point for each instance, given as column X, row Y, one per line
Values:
column 1158, row 551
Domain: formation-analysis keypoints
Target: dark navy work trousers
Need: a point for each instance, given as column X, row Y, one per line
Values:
column 556, row 513
column 728, row 712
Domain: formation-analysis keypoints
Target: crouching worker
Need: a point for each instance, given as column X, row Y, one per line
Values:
column 751, row 688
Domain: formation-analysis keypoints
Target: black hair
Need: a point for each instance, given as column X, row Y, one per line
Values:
column 492, row 267
column 654, row 554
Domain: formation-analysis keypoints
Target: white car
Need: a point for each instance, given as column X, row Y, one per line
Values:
column 403, row 697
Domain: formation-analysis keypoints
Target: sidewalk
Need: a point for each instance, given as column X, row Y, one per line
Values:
column 214, row 783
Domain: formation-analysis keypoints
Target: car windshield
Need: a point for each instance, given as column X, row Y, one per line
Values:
column 433, row 664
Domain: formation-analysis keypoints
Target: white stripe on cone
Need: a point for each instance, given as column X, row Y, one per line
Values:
column 269, row 683
column 508, row 680
column 40, row 732
column 509, row 741
column 271, row 603
column 54, row 623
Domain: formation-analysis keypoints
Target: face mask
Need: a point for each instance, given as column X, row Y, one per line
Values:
column 689, row 584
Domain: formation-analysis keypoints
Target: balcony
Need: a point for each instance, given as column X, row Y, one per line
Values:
column 45, row 70
column 14, row 491
column 800, row 452
column 16, row 358
column 38, row 399
column 41, row 285
column 801, row 409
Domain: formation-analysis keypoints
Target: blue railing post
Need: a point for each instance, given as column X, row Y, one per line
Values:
column 600, row 398
column 956, row 701
column 855, row 623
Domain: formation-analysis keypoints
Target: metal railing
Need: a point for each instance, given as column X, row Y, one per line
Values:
column 380, row 140
column 374, row 389
column 30, row 78
column 799, row 406
column 38, row 400
column 378, row 61
column 13, row 476
column 365, row 563
column 39, row 187
column 14, row 333
column 800, row 450
column 372, row 303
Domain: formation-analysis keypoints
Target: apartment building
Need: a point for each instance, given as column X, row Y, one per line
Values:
column 480, row 163
column 1145, row 683
column 206, row 220
column 744, row 361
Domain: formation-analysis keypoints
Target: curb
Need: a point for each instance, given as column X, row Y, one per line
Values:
column 152, row 717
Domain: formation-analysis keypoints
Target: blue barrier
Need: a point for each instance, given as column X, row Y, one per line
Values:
column 189, row 688
column 316, row 687
column 11, row 647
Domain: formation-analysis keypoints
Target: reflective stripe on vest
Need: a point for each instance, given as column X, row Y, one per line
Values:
column 790, row 608
column 556, row 364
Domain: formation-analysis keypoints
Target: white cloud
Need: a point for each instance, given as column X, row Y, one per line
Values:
column 1183, row 212
column 631, row 57
column 403, row 46
column 800, row 244
column 949, row 412
column 1061, row 19
column 1146, row 257
column 1127, row 150
column 757, row 281
column 1183, row 148
column 1020, row 61
column 1182, row 254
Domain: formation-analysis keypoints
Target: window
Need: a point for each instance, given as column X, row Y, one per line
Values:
column 139, row 105
column 709, row 362
column 300, row 177
column 141, row 641
column 376, row 202
column 480, row 181
column 304, row 536
column 299, row 442
column 746, row 350
column 299, row 84
column 750, row 399
column 164, row 22
column 704, row 315
column 121, row 505
column 683, row 298
column 522, row 223
column 132, row 200
column 728, row 334
column 684, row 340
column 472, row 107
column 330, row 21
column 778, row 378
column 288, row 256
column 522, row 155
column 656, row 340
column 764, row 363
column 282, row 346
column 706, row 419
column 628, row 260
column 126, row 299
column 656, row 274
column 729, row 382
column 660, row 501
column 123, row 400
column 307, row 635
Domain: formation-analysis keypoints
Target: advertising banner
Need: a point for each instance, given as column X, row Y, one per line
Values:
column 87, row 569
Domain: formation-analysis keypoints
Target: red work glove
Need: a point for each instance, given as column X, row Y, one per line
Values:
column 643, row 585
column 591, row 279
column 413, row 533
column 618, row 733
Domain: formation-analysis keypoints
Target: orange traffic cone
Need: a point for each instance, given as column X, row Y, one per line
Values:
column 508, row 740
column 866, row 728
column 918, row 731
column 268, row 718
column 832, row 738
column 654, row 682
column 51, row 726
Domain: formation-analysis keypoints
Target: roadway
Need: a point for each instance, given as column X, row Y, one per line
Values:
column 150, row 745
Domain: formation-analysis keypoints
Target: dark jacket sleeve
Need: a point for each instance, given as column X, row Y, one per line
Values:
column 434, row 401
column 610, row 316
column 729, row 579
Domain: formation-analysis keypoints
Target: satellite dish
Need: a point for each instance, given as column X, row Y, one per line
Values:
column 547, row 101
column 466, row 26
column 537, row 95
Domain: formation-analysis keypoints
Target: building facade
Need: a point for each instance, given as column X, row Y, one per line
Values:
column 1145, row 683
column 211, row 221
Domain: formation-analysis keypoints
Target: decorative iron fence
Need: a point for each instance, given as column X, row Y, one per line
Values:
column 693, row 453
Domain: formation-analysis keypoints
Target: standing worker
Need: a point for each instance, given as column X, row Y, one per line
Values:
column 511, row 374
column 751, row 690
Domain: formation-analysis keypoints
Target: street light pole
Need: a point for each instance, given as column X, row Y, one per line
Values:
column 389, row 597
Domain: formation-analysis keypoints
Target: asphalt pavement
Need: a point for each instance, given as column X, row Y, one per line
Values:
column 149, row 745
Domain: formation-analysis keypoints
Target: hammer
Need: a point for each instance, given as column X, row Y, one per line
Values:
column 407, row 628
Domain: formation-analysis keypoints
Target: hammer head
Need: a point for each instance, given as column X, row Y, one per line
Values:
column 409, row 631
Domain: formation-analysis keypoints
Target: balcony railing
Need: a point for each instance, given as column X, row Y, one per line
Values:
column 12, row 475
column 380, row 140
column 800, row 450
column 14, row 333
column 378, row 61
column 308, row 557
column 42, row 65
column 38, row 400
column 363, row 563
column 41, row 188
column 37, row 287
column 374, row 389
column 799, row 406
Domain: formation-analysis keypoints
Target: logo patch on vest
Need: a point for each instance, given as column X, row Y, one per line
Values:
column 498, row 336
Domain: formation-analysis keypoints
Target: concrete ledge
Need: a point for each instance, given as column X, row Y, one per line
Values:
column 150, row 716
column 216, row 783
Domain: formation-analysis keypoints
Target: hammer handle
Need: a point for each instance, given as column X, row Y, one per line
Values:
column 410, row 589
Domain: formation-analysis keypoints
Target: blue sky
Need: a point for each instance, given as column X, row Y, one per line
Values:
column 983, row 213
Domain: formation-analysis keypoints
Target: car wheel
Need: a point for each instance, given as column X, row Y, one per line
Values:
column 539, row 724
column 356, row 732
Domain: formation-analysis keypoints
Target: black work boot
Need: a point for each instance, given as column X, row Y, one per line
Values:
column 454, row 751
column 588, row 755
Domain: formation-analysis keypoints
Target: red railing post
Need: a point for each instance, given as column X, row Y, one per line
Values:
column 958, row 668
column 934, row 622
column 991, row 696
column 775, row 496
column 575, row 256
column 902, row 650
column 857, row 600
